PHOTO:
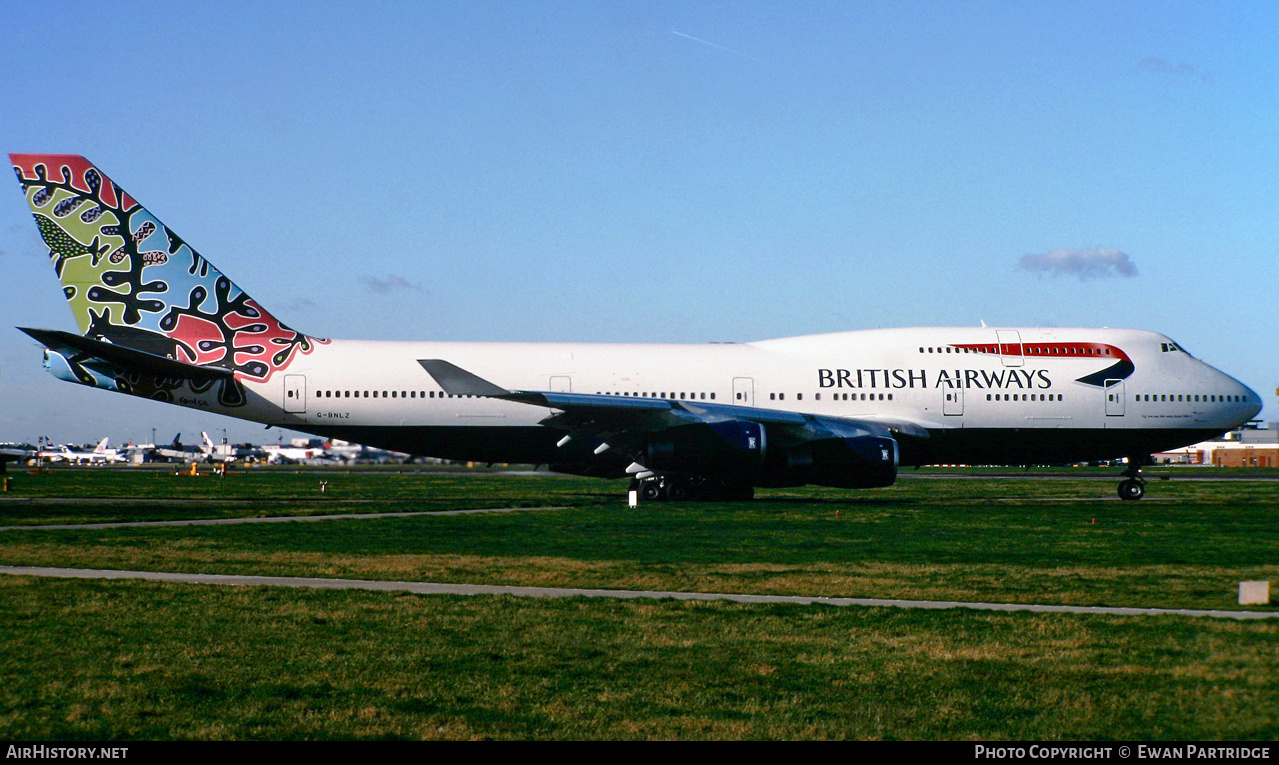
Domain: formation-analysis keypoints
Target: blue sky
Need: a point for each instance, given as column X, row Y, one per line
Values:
column 662, row 171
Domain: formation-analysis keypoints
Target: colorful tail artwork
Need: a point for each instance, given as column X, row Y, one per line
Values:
column 134, row 284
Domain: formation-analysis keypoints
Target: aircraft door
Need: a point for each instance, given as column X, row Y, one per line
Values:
column 1010, row 347
column 744, row 391
column 295, row 393
column 953, row 403
column 1114, row 398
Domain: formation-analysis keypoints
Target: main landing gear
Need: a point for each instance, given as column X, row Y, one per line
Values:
column 1134, row 486
column 661, row 488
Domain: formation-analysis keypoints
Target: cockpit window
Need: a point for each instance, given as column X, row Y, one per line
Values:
column 1171, row 348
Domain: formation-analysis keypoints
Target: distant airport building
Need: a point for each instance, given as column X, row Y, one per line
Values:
column 1248, row 447
column 1248, row 456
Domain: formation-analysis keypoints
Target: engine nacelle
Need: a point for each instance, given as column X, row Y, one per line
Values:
column 850, row 463
column 734, row 445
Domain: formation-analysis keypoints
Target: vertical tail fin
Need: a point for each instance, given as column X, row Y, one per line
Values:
column 133, row 282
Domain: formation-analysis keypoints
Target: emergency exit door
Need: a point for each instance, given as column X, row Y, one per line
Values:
column 952, row 403
column 295, row 393
column 1114, row 398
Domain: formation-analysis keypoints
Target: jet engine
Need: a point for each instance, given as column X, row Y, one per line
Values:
column 730, row 446
column 851, row 463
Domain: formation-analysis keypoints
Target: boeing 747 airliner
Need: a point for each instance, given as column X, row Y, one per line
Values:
column 157, row 320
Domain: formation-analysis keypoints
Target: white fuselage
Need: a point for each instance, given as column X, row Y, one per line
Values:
column 157, row 320
column 990, row 382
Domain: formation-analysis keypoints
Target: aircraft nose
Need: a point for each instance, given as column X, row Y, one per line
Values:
column 1242, row 402
column 1253, row 407
column 1249, row 403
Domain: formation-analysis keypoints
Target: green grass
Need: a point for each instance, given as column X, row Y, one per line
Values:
column 97, row 495
column 1053, row 540
column 86, row 659
column 157, row 661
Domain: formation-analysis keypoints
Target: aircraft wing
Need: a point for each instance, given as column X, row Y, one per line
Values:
column 97, row 353
column 659, row 412
column 17, row 452
column 623, row 421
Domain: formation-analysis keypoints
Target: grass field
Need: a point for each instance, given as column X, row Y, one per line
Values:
column 140, row 660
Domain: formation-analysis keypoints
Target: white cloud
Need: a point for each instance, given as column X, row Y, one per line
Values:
column 1098, row 263
column 1157, row 65
column 300, row 304
column 391, row 283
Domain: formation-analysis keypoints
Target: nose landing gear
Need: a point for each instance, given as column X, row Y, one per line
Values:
column 1134, row 486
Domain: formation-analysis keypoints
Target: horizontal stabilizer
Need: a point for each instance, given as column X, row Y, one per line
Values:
column 128, row 360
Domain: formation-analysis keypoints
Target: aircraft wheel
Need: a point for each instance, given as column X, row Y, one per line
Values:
column 650, row 491
column 676, row 491
column 1131, row 489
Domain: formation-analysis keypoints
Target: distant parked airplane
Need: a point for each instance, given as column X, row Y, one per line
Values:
column 11, row 452
column 157, row 320
column 305, row 455
column 177, row 452
column 100, row 454
column 212, row 453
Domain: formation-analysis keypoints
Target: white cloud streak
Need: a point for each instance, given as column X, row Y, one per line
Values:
column 711, row 44
column 1098, row 263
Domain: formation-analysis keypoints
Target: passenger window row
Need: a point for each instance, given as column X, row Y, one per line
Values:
column 681, row 395
column 1035, row 350
column 383, row 394
column 1030, row 350
column 1186, row 397
column 1024, row 397
column 686, row 396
